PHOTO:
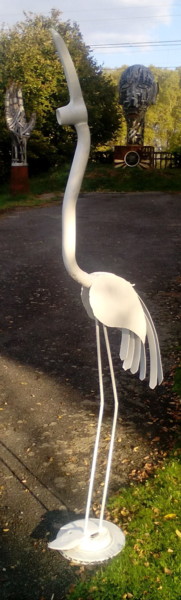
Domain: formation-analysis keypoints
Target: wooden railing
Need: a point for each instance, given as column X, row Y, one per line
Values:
column 149, row 157
column 166, row 160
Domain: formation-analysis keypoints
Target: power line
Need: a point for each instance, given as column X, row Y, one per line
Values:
column 168, row 43
column 129, row 18
column 148, row 17
column 86, row 10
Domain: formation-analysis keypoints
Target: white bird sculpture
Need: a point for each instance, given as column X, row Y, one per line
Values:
column 113, row 302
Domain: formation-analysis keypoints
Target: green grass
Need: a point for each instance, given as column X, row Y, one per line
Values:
column 150, row 564
column 108, row 178
column 97, row 178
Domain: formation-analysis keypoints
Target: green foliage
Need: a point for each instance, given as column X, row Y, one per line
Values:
column 27, row 56
column 150, row 565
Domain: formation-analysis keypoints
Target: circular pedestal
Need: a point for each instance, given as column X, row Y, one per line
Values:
column 19, row 179
column 96, row 546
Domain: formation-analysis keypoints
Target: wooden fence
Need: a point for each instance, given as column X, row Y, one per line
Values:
column 149, row 157
column 164, row 160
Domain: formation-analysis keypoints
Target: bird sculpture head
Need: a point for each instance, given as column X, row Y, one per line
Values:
column 75, row 111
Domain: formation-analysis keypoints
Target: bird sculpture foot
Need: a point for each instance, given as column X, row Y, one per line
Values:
column 96, row 545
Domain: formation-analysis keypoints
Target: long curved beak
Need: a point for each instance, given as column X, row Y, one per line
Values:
column 75, row 112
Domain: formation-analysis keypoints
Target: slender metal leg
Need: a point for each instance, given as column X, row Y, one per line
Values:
column 94, row 460
column 113, row 427
column 93, row 540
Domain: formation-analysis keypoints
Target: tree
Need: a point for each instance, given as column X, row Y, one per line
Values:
column 27, row 56
column 163, row 125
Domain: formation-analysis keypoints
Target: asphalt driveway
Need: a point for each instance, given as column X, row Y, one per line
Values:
column 49, row 385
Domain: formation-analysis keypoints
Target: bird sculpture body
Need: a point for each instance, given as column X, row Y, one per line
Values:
column 113, row 302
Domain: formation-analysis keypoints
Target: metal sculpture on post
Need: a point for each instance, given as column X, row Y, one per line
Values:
column 138, row 90
column 20, row 131
column 112, row 302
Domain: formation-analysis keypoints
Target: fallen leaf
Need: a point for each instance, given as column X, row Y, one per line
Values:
column 167, row 571
column 156, row 511
column 178, row 533
column 136, row 547
column 124, row 512
column 170, row 516
column 72, row 586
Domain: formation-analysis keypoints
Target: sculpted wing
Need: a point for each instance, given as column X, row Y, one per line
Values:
column 133, row 354
column 115, row 303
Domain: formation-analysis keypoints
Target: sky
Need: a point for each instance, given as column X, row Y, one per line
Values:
column 109, row 27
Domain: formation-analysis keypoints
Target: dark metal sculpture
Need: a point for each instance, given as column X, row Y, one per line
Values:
column 16, row 121
column 138, row 90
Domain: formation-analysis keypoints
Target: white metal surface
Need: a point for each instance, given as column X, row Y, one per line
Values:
column 112, row 301
column 98, row 545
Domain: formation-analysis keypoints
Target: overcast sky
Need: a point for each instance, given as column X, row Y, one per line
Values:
column 106, row 23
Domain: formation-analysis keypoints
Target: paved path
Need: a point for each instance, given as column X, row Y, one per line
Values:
column 49, row 386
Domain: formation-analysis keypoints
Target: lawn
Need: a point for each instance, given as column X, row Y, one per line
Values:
column 97, row 178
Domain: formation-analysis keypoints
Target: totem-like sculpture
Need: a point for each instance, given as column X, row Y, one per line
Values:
column 138, row 90
column 20, row 131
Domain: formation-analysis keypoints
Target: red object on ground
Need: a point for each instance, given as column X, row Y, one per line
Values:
column 19, row 179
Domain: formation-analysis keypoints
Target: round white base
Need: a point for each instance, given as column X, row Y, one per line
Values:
column 94, row 547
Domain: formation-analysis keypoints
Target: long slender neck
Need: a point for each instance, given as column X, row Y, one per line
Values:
column 69, row 205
